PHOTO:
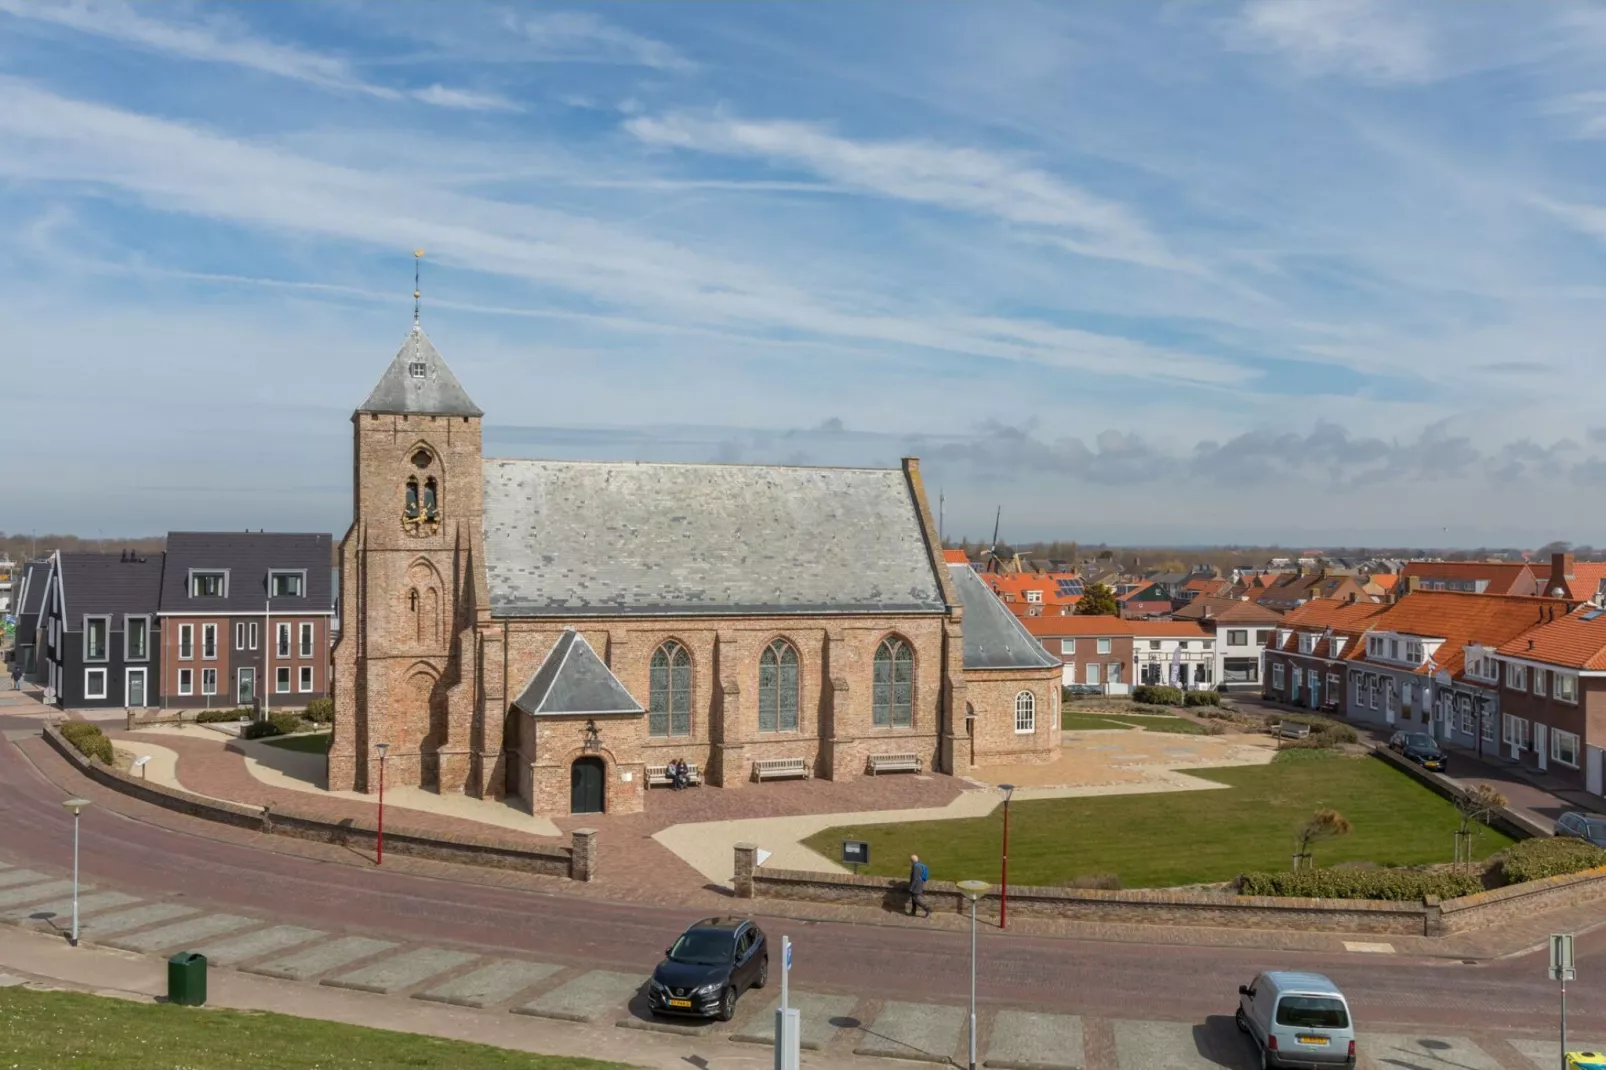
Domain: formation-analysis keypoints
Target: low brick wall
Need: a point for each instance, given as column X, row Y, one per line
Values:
column 577, row 861
column 1429, row 917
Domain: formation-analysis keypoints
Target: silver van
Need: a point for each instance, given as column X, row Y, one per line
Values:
column 1297, row 1020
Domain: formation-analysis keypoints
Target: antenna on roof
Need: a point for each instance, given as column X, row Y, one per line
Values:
column 418, row 254
column 941, row 501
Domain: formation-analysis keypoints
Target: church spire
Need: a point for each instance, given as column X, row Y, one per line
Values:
column 418, row 255
column 418, row 380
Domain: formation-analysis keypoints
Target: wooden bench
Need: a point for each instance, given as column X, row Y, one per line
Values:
column 769, row 768
column 1292, row 730
column 894, row 763
column 658, row 775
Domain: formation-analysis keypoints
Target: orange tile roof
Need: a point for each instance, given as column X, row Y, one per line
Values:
column 1572, row 642
column 1074, row 626
column 1584, row 582
column 1505, row 577
column 955, row 557
column 1460, row 618
column 1336, row 613
column 1223, row 608
column 1385, row 580
column 1018, row 583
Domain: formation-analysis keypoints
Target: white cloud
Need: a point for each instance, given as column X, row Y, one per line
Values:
column 1366, row 39
column 219, row 40
column 960, row 179
column 582, row 37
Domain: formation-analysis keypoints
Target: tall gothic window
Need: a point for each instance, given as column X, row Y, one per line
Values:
column 411, row 512
column 777, row 688
column 669, row 707
column 893, row 697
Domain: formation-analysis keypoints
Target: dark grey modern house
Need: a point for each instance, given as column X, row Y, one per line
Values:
column 97, row 642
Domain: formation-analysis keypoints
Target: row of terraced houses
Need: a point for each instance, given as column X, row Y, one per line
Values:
column 1520, row 676
column 220, row 619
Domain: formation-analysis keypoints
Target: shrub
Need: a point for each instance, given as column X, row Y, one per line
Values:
column 221, row 716
column 320, row 711
column 261, row 729
column 1156, row 695
column 1532, row 860
column 1202, row 698
column 1351, row 882
column 90, row 741
column 286, row 723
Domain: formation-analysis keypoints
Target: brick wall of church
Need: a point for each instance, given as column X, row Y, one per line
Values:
column 991, row 694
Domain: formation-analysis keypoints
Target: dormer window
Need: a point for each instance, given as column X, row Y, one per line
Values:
column 417, row 369
column 287, row 584
column 209, row 584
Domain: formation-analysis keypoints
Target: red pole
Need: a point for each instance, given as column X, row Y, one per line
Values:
column 379, row 854
column 1003, row 889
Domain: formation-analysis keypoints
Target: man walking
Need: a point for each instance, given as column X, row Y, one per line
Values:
column 918, row 876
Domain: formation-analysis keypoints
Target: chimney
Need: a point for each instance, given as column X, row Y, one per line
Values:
column 1561, row 569
column 1353, row 597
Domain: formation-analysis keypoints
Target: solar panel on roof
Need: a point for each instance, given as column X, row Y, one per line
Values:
column 1592, row 614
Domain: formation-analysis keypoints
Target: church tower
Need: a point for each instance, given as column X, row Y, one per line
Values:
column 409, row 575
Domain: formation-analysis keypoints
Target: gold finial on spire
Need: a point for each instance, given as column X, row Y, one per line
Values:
column 418, row 254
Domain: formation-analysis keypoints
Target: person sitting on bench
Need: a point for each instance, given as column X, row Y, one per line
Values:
column 679, row 776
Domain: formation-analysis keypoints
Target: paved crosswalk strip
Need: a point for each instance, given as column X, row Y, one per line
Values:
column 587, row 998
column 19, row 876
column 305, row 965
column 1183, row 1046
column 1546, row 1054
column 61, row 909
column 1430, row 1052
column 821, row 1016
column 926, row 1032
column 254, row 945
column 1039, row 1041
column 189, row 931
column 37, row 893
column 396, row 972
column 488, row 985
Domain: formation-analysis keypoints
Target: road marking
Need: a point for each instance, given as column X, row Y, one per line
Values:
column 587, row 998
column 1022, row 1040
column 1181, row 1046
column 402, row 971
column 19, row 876
column 124, row 920
column 238, row 949
column 310, row 963
column 181, row 932
column 37, row 893
column 1362, row 945
column 491, row 984
column 1430, row 1052
column 925, row 1032
column 61, row 910
column 822, row 1016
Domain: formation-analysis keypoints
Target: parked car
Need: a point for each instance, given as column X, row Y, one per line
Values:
column 1588, row 827
column 1297, row 1020
column 708, row 968
column 1420, row 748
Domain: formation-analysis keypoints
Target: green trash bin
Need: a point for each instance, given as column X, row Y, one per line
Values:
column 186, row 979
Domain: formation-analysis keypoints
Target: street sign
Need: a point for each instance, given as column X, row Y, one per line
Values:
column 1561, row 957
column 763, row 856
column 855, row 853
column 789, row 955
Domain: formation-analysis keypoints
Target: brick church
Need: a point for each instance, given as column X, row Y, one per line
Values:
column 548, row 631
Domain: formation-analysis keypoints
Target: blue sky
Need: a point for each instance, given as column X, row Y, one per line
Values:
column 1299, row 270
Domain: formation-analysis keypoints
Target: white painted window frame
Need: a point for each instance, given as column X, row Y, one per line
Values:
column 1025, row 713
column 186, row 681
column 90, row 674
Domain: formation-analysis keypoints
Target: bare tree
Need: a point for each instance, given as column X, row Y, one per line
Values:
column 1324, row 824
column 1477, row 805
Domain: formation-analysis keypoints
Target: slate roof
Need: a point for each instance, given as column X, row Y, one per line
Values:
column 247, row 555
column 437, row 392
column 579, row 538
column 573, row 681
column 994, row 638
column 110, row 584
column 34, row 577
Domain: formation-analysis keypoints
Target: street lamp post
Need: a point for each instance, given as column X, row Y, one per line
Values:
column 379, row 849
column 973, row 890
column 1003, row 884
column 77, row 807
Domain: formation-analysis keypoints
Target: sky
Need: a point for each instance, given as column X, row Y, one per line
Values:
column 1297, row 271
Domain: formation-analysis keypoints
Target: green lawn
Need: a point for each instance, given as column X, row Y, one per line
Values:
column 1071, row 720
column 1196, row 837
column 73, row 1031
column 311, row 743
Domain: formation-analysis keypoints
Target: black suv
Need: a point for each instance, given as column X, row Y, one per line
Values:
column 713, row 962
column 1420, row 748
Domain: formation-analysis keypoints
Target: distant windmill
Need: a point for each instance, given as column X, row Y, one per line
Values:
column 991, row 562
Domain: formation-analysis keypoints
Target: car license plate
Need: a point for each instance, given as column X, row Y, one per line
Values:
column 687, row 1004
column 1431, row 765
column 1320, row 1042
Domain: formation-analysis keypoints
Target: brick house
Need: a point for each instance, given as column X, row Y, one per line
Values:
column 1470, row 577
column 1304, row 585
column 754, row 615
column 1305, row 657
column 245, row 619
column 1242, row 630
column 1114, row 653
column 1553, row 697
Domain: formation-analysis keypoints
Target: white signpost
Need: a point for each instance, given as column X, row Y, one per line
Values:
column 788, row 1022
column 1561, row 969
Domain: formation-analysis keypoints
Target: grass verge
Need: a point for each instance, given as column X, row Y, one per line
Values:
column 1194, row 837
column 74, row 1031
column 310, row 743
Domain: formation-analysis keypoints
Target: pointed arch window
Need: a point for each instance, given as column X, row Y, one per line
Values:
column 893, row 693
column 777, row 688
column 411, row 509
column 669, row 702
column 431, row 509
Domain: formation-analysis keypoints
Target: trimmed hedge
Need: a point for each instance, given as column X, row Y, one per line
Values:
column 320, row 711
column 1531, row 860
column 1353, row 882
column 1202, row 698
column 287, row 722
column 260, row 730
column 1156, row 695
column 89, row 739
column 221, row 716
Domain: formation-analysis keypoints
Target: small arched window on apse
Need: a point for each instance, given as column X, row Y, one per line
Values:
column 1025, row 712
